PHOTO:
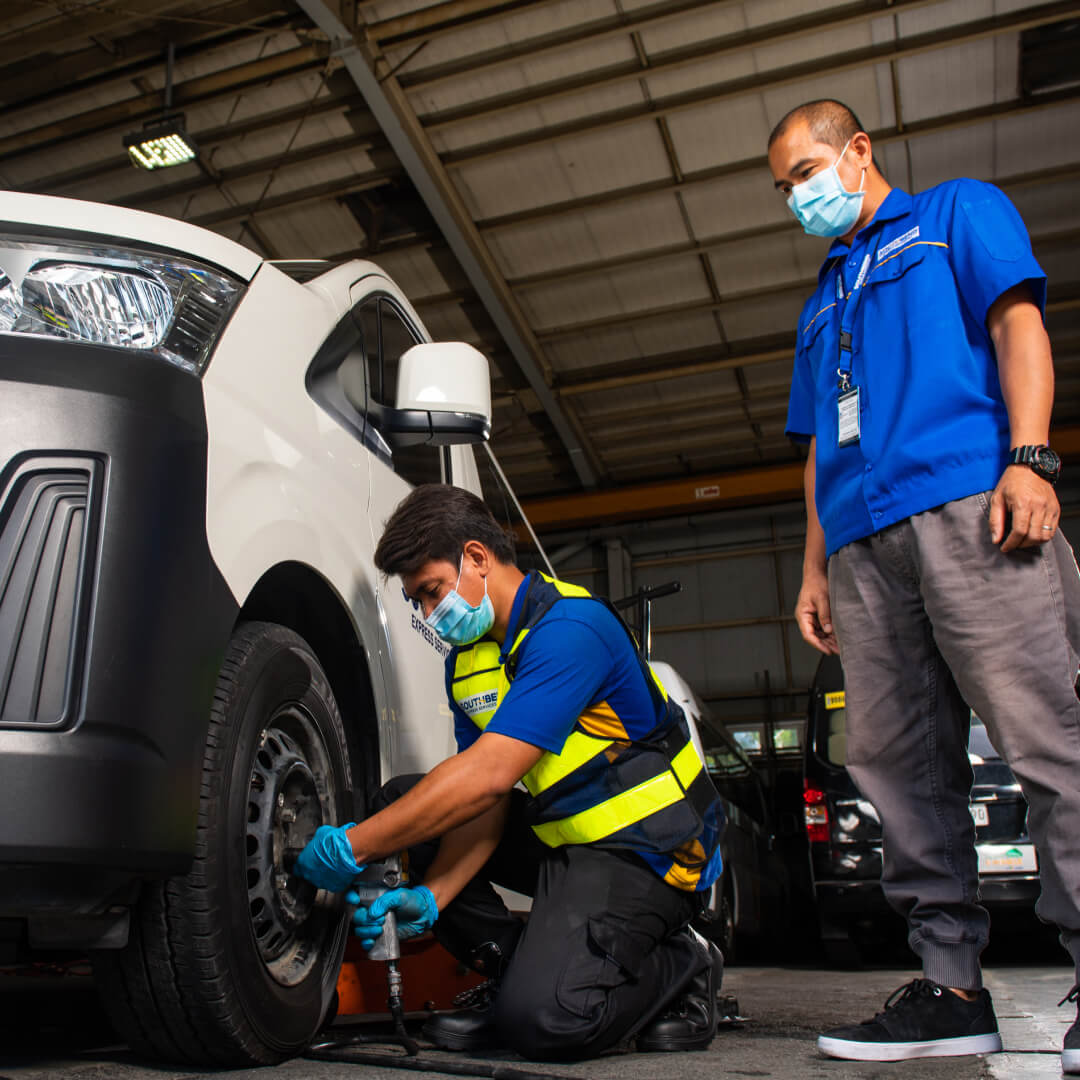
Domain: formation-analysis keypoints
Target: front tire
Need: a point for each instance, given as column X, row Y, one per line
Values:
column 236, row 963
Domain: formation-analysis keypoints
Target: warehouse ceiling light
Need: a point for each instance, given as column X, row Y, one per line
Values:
column 161, row 144
column 165, row 142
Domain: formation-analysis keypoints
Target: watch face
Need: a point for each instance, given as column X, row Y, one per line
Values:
column 1047, row 461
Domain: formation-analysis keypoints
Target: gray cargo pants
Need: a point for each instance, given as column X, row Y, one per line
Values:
column 932, row 617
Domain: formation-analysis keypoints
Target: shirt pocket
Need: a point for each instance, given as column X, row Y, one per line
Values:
column 901, row 308
column 897, row 265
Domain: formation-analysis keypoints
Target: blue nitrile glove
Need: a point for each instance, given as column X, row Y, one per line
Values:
column 327, row 859
column 415, row 909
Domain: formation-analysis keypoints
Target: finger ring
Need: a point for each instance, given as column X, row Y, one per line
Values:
column 1048, row 527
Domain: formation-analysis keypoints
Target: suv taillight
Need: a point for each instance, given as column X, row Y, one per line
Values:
column 815, row 814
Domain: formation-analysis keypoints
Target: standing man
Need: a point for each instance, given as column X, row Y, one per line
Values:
column 923, row 383
column 616, row 838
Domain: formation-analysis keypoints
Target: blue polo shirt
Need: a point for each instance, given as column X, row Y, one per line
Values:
column 578, row 655
column 913, row 291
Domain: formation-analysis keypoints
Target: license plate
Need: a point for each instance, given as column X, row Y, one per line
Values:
column 980, row 813
column 1007, row 858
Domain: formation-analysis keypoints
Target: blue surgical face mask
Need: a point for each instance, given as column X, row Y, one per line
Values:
column 457, row 621
column 823, row 205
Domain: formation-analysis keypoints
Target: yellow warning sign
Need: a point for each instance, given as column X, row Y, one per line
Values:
column 834, row 700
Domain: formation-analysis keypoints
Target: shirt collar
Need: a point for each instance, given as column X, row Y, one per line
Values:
column 897, row 204
column 517, row 612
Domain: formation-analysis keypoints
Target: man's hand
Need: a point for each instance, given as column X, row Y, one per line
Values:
column 416, row 912
column 1031, row 502
column 814, row 614
column 327, row 861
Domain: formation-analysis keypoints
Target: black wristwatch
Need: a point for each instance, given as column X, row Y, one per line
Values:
column 1041, row 460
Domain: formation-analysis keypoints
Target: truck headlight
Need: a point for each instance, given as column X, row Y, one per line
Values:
column 172, row 307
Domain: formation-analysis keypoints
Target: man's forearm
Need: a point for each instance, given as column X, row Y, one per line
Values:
column 453, row 792
column 1025, row 366
column 814, row 552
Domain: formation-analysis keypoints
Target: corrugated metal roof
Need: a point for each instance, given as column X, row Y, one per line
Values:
column 610, row 154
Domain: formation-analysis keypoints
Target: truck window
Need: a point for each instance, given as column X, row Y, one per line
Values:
column 735, row 778
column 386, row 337
column 754, row 737
column 835, row 740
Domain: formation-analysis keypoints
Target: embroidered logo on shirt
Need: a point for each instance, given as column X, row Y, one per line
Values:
column 479, row 703
column 899, row 242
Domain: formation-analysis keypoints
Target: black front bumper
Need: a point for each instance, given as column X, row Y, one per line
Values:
column 113, row 622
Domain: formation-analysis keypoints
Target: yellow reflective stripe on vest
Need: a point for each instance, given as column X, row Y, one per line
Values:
column 616, row 813
column 565, row 588
column 659, row 685
column 687, row 764
column 552, row 768
column 627, row 808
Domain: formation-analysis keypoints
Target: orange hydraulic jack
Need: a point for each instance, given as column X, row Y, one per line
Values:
column 430, row 975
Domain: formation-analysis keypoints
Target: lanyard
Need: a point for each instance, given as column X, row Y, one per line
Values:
column 845, row 357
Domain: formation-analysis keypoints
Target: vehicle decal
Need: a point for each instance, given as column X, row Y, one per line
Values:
column 429, row 635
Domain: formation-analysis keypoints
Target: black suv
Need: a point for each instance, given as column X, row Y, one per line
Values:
column 843, row 830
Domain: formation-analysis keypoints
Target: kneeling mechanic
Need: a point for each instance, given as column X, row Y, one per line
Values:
column 615, row 839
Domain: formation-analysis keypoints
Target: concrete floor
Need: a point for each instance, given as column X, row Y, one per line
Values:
column 61, row 1034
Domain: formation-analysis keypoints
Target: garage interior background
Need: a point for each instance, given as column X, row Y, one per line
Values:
column 579, row 188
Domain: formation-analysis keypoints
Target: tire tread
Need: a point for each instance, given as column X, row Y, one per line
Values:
column 170, row 992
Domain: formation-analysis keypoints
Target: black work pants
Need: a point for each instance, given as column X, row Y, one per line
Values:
column 600, row 955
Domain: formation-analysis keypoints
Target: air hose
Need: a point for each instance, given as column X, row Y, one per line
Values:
column 346, row 1051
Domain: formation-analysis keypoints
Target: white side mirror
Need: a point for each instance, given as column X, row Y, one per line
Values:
column 450, row 382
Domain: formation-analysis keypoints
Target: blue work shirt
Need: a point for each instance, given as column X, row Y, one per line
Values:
column 579, row 654
column 913, row 290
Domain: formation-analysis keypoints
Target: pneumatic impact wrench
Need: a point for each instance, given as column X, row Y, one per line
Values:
column 377, row 879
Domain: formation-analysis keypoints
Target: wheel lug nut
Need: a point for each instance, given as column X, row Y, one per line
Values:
column 288, row 815
column 280, row 799
column 281, row 881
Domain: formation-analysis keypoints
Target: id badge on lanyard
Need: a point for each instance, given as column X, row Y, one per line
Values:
column 848, row 426
column 848, row 413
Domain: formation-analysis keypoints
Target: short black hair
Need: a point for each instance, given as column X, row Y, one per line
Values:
column 435, row 522
column 829, row 121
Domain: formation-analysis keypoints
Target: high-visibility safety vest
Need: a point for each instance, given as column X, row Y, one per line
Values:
column 650, row 794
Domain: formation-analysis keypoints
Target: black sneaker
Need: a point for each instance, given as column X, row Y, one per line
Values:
column 1070, row 1052
column 920, row 1019
column 471, row 1027
column 690, row 1024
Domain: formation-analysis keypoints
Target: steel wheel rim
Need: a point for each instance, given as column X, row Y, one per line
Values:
column 291, row 791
